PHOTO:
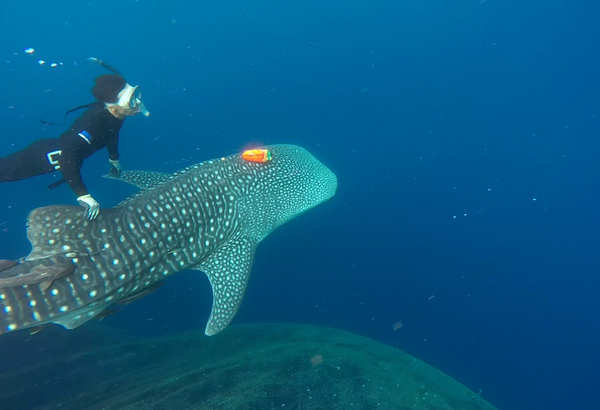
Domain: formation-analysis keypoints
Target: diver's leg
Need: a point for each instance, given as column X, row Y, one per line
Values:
column 29, row 162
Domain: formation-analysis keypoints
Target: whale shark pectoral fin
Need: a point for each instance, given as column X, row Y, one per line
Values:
column 79, row 317
column 144, row 180
column 228, row 270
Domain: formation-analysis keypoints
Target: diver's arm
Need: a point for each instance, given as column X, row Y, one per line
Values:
column 113, row 156
column 70, row 166
column 71, row 158
column 74, row 143
column 112, row 146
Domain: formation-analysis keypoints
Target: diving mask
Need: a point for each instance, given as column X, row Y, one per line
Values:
column 130, row 100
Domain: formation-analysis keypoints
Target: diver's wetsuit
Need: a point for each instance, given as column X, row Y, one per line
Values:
column 95, row 129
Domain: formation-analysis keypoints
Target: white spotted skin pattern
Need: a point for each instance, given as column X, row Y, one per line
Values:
column 209, row 216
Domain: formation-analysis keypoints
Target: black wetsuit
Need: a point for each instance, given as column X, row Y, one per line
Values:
column 95, row 129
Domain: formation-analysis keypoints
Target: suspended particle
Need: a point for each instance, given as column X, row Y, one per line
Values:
column 41, row 62
column 53, row 65
column 29, row 50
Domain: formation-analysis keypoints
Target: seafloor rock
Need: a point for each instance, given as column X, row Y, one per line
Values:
column 251, row 367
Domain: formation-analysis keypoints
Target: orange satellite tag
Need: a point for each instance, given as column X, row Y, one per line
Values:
column 257, row 155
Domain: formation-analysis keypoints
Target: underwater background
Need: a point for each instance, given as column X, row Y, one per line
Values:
column 464, row 135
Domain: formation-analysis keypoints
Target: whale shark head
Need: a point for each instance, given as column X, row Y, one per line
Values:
column 292, row 183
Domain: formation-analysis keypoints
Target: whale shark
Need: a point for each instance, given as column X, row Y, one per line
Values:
column 208, row 217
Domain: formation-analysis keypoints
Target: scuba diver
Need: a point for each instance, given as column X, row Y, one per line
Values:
column 96, row 128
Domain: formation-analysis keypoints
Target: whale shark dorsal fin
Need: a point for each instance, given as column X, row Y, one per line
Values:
column 144, row 180
column 228, row 270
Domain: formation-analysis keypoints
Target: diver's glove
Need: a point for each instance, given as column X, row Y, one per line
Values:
column 92, row 207
column 115, row 168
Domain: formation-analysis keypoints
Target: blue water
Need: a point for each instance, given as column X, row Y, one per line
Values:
column 464, row 136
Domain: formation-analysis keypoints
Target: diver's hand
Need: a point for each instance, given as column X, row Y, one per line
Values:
column 115, row 168
column 92, row 207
